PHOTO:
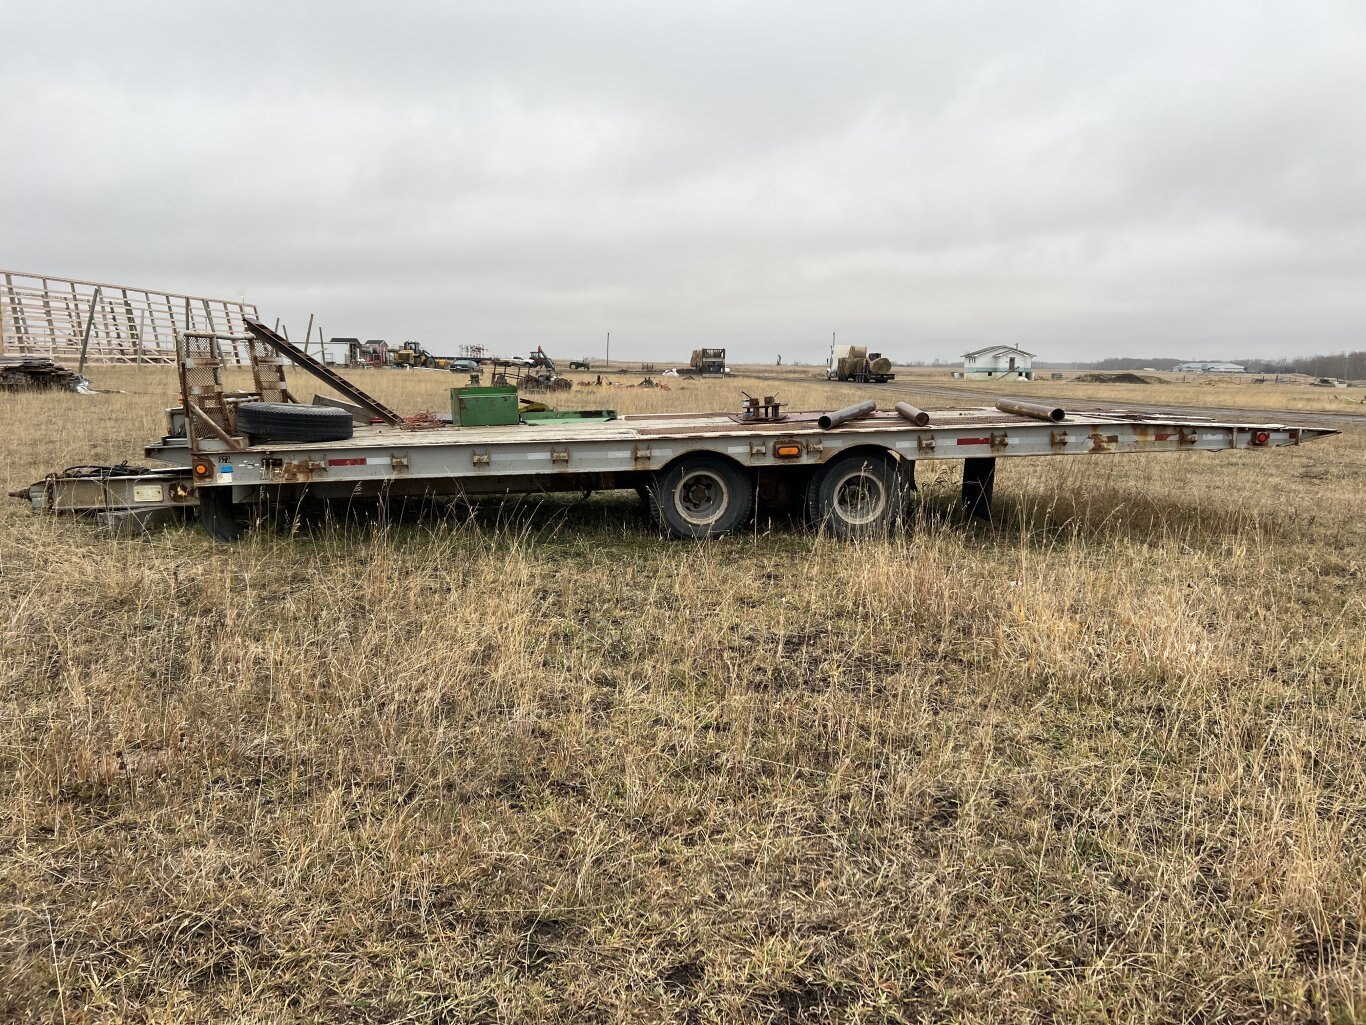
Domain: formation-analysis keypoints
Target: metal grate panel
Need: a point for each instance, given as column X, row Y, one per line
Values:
column 268, row 371
column 43, row 315
column 210, row 416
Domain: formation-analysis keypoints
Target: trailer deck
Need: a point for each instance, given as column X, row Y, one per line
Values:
column 700, row 474
column 647, row 442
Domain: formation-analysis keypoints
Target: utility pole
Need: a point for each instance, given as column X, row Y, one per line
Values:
column 608, row 361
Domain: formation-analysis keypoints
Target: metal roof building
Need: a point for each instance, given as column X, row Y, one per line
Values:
column 1209, row 367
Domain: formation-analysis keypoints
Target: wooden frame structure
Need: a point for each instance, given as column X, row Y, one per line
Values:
column 73, row 321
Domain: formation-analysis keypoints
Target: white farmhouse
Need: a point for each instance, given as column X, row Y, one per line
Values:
column 998, row 361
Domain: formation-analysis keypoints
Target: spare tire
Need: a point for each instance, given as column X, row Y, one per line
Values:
column 288, row 421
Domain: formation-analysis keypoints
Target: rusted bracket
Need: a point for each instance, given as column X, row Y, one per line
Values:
column 925, row 443
column 479, row 458
column 559, row 455
column 299, row 470
column 999, row 440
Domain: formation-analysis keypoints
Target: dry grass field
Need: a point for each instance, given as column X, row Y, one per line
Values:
column 1100, row 762
column 1218, row 391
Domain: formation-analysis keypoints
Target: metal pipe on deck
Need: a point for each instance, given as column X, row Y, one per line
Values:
column 916, row 416
column 843, row 416
column 1030, row 409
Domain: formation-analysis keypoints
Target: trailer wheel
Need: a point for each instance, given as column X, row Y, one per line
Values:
column 289, row 421
column 217, row 514
column 701, row 496
column 857, row 495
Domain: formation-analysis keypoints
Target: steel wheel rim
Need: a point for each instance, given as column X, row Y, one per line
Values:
column 701, row 497
column 861, row 498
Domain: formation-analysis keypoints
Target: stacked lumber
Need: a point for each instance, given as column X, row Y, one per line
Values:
column 34, row 373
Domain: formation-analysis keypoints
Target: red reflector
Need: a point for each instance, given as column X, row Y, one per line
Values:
column 1261, row 437
column 974, row 441
column 346, row 462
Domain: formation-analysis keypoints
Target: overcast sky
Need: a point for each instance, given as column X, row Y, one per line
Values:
column 1084, row 179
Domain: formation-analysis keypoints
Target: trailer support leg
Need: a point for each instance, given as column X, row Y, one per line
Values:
column 979, row 480
column 216, row 514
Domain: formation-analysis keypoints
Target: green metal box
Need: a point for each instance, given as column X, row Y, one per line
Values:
column 484, row 407
column 557, row 416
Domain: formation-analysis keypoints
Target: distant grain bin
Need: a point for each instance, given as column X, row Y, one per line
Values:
column 997, row 362
column 856, row 363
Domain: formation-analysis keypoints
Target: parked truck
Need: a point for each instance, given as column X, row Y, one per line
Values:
column 856, row 363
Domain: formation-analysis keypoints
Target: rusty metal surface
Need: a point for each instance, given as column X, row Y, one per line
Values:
column 858, row 411
column 680, row 426
column 1031, row 410
column 914, row 414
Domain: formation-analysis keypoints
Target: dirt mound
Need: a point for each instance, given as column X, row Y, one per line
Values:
column 1124, row 378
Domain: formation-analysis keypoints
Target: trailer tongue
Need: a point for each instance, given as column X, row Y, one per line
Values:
column 699, row 473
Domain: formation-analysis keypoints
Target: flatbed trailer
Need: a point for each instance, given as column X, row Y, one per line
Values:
column 700, row 474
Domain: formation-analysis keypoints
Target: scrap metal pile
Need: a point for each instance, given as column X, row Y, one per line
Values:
column 33, row 373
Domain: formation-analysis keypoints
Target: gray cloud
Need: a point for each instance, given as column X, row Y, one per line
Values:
column 1087, row 178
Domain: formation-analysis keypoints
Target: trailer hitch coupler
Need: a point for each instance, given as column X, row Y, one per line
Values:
column 843, row 416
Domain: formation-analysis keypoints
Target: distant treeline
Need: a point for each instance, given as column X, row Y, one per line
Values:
column 1347, row 365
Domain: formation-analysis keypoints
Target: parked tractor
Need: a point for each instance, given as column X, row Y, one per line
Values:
column 534, row 374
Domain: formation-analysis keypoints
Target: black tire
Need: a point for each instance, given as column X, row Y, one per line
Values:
column 701, row 496
column 218, row 514
column 288, row 421
column 858, row 495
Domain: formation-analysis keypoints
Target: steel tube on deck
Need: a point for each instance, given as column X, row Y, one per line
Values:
column 843, row 416
column 1030, row 409
column 916, row 416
